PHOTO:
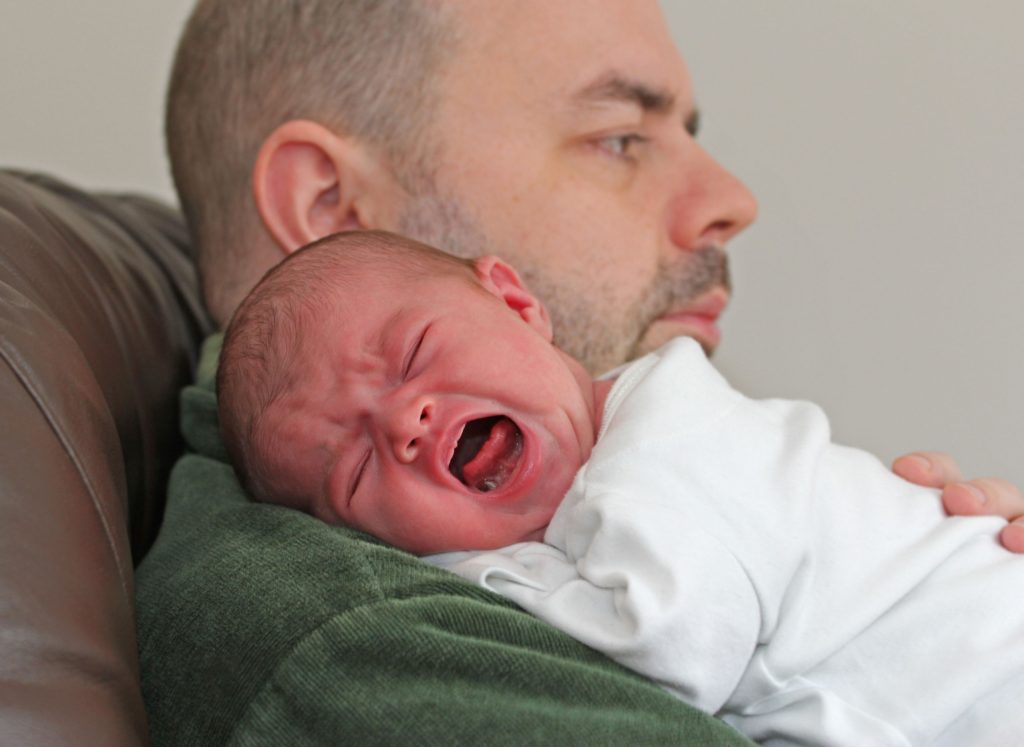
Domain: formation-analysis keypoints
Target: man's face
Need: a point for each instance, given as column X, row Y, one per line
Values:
column 446, row 420
column 566, row 147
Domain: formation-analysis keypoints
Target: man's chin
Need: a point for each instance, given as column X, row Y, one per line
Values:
column 705, row 332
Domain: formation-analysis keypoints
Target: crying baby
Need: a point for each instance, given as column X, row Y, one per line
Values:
column 720, row 545
column 379, row 383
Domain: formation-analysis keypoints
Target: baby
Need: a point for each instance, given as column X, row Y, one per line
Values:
column 722, row 546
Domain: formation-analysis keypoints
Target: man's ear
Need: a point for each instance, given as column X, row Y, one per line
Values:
column 501, row 280
column 309, row 182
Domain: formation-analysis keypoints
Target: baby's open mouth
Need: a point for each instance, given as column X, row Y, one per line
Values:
column 487, row 453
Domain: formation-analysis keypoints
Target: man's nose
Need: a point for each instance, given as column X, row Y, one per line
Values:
column 407, row 421
column 710, row 204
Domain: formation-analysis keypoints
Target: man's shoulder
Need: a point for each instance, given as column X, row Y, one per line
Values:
column 263, row 625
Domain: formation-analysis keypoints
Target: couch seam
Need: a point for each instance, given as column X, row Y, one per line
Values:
column 13, row 359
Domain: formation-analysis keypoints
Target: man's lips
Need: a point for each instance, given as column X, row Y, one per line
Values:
column 700, row 317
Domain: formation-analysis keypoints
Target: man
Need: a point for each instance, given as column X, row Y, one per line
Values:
column 546, row 133
column 558, row 135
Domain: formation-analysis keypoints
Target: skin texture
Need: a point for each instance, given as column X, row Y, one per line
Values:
column 606, row 204
column 388, row 383
column 564, row 145
column 387, row 377
column 978, row 497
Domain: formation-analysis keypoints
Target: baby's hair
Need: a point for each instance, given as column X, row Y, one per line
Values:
column 262, row 356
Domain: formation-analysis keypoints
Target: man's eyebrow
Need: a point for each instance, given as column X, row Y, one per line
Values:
column 614, row 87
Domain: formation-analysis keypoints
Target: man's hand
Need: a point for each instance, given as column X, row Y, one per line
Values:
column 986, row 496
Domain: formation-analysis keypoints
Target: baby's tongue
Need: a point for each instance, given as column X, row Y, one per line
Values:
column 493, row 464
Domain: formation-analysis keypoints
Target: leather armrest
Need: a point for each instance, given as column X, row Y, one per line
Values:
column 100, row 321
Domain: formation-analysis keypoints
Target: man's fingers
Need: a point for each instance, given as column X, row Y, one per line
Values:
column 932, row 469
column 982, row 497
column 990, row 497
column 1012, row 536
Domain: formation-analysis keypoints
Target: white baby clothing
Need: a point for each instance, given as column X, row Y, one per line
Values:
column 726, row 548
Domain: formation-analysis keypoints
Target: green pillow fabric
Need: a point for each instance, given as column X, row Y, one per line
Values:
column 259, row 625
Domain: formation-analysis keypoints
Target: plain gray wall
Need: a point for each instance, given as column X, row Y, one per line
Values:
column 883, row 277
column 882, row 138
column 82, row 87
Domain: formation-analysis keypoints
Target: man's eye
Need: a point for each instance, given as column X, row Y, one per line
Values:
column 621, row 145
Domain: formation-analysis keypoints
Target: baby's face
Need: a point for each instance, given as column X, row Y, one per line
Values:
column 448, row 419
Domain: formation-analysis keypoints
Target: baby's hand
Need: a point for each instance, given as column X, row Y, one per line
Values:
column 985, row 496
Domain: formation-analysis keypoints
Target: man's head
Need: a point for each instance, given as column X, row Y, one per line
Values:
column 365, row 70
column 557, row 135
column 375, row 382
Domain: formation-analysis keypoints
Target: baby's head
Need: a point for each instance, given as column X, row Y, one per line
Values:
column 379, row 383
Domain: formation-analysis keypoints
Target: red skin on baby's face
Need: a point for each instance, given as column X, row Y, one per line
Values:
column 400, row 371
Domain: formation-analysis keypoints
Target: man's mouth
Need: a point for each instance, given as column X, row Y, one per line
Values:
column 701, row 317
column 487, row 453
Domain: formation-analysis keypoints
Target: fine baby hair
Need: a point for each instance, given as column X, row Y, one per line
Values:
column 268, row 334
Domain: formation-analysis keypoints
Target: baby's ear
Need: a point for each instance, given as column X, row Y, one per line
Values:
column 500, row 279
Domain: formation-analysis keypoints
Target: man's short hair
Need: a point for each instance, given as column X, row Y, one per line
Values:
column 365, row 68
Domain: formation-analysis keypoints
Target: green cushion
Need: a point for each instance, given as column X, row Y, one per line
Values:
column 261, row 625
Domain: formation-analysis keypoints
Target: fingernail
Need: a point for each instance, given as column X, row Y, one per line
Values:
column 922, row 461
column 979, row 496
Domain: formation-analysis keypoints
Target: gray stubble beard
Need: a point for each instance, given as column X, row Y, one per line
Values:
column 582, row 326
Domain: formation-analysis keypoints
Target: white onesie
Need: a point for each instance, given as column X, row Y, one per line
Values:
column 726, row 548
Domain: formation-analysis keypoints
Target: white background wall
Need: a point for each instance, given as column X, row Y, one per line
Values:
column 82, row 87
column 883, row 138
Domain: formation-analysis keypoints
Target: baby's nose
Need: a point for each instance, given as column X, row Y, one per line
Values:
column 408, row 428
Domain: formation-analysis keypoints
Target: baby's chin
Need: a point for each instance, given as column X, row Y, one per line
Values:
column 486, row 541
column 496, row 541
column 536, row 535
column 496, row 528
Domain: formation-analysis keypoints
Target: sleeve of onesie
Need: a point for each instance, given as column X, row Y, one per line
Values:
column 669, row 602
